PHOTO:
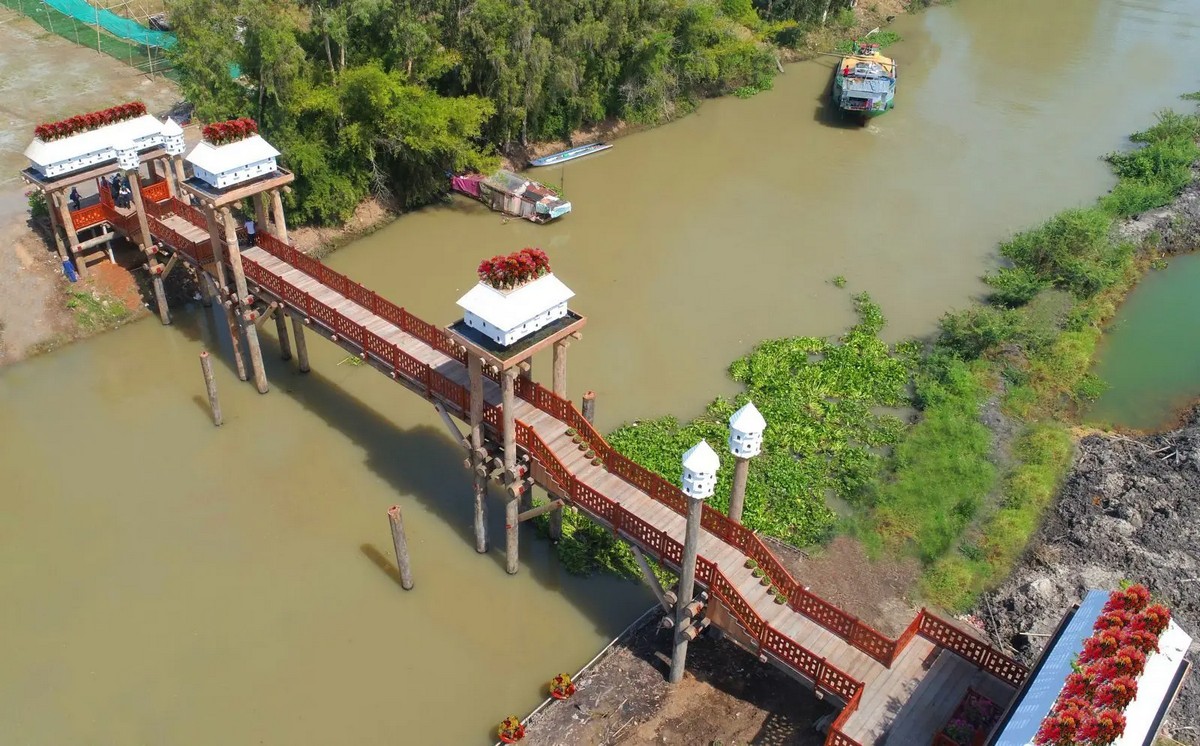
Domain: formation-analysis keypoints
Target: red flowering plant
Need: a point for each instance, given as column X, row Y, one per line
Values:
column 84, row 122
column 223, row 133
column 1101, row 728
column 1089, row 706
column 507, row 272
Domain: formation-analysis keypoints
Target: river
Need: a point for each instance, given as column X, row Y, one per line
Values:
column 170, row 582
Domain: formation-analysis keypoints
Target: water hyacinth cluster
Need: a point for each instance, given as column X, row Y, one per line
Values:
column 223, row 133
column 85, row 122
column 1089, row 709
column 507, row 272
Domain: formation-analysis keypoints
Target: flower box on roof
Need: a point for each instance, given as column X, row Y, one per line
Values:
column 516, row 296
column 233, row 162
column 89, row 139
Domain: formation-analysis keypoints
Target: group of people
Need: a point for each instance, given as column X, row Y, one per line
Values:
column 118, row 187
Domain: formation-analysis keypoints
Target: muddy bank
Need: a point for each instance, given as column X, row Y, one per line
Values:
column 1127, row 510
column 727, row 696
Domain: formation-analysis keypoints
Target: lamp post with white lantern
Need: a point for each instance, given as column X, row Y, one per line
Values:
column 746, row 428
column 700, row 465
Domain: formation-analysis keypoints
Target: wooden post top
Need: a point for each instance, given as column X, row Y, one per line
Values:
column 504, row 358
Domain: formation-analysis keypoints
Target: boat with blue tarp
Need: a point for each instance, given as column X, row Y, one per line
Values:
column 570, row 155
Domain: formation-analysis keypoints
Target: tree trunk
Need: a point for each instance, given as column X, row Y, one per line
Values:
column 329, row 56
column 262, row 91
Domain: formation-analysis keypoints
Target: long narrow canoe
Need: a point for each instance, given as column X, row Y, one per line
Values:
column 570, row 155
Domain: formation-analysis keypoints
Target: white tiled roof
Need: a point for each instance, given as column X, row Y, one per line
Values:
column 222, row 158
column 509, row 310
column 748, row 419
column 701, row 458
column 171, row 129
column 66, row 148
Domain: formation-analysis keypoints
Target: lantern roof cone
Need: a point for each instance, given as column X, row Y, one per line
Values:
column 701, row 458
column 171, row 128
column 748, row 419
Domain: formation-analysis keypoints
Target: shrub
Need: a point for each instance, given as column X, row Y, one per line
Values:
column 1014, row 286
column 972, row 332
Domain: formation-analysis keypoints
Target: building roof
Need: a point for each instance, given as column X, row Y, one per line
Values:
column 234, row 155
column 509, row 309
column 702, row 458
column 66, row 148
column 171, row 128
column 1143, row 716
column 748, row 419
column 506, row 181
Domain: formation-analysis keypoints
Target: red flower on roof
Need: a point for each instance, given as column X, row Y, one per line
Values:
column 84, row 122
column 233, row 130
column 507, row 272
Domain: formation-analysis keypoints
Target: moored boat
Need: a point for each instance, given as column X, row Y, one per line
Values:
column 865, row 82
column 571, row 154
column 513, row 194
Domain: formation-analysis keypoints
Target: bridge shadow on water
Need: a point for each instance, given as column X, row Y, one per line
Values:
column 419, row 461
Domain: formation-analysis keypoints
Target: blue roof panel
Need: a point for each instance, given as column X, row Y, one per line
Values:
column 1055, row 666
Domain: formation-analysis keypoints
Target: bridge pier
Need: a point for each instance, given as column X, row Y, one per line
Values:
column 147, row 245
column 478, row 471
column 243, row 292
column 222, row 289
column 512, row 506
column 301, row 345
column 559, row 386
column 206, row 289
column 285, row 344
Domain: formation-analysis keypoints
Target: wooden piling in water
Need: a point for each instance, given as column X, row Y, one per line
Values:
column 206, row 290
column 301, row 345
column 285, row 344
column 589, row 406
column 210, row 384
column 559, row 386
column 222, row 288
column 512, row 506
column 401, row 543
column 478, row 475
column 243, row 292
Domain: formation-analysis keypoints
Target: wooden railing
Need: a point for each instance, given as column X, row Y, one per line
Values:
column 836, row 737
column 86, row 217
column 946, row 635
column 156, row 192
column 433, row 384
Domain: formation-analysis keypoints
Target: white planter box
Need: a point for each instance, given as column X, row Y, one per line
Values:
column 506, row 316
column 225, row 165
column 57, row 157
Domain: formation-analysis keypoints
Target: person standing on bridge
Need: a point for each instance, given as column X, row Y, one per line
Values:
column 76, row 200
column 250, row 231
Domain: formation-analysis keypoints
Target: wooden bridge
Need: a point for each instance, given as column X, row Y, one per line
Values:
column 899, row 690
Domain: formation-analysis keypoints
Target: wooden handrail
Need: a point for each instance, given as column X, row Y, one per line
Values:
column 434, row 384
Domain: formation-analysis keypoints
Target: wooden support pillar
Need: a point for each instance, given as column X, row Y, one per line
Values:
column 167, row 176
column 737, row 497
column 260, row 215
column 512, row 502
column 651, row 579
column 210, row 384
column 687, row 588
column 156, row 278
column 400, row 542
column 475, row 379
column 207, row 291
column 280, row 221
column 285, row 344
column 52, row 213
column 222, row 288
column 589, row 406
column 180, row 176
column 559, row 385
column 301, row 345
column 66, row 248
column 243, row 292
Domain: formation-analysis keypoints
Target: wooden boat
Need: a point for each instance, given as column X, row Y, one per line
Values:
column 570, row 155
column 865, row 82
column 513, row 194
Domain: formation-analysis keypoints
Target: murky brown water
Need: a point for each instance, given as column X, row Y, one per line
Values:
column 168, row 582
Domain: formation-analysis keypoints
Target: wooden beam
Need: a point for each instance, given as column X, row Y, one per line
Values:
column 271, row 309
column 170, row 265
column 539, row 510
column 455, row 433
column 651, row 578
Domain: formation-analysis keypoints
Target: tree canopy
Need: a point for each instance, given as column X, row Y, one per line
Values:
column 387, row 97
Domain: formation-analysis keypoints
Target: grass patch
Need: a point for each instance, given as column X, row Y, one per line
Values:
column 942, row 471
column 95, row 311
column 883, row 39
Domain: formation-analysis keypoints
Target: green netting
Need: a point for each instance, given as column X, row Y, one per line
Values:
column 146, row 58
column 118, row 26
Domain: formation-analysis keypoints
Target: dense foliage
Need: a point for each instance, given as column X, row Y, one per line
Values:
column 822, row 400
column 367, row 96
